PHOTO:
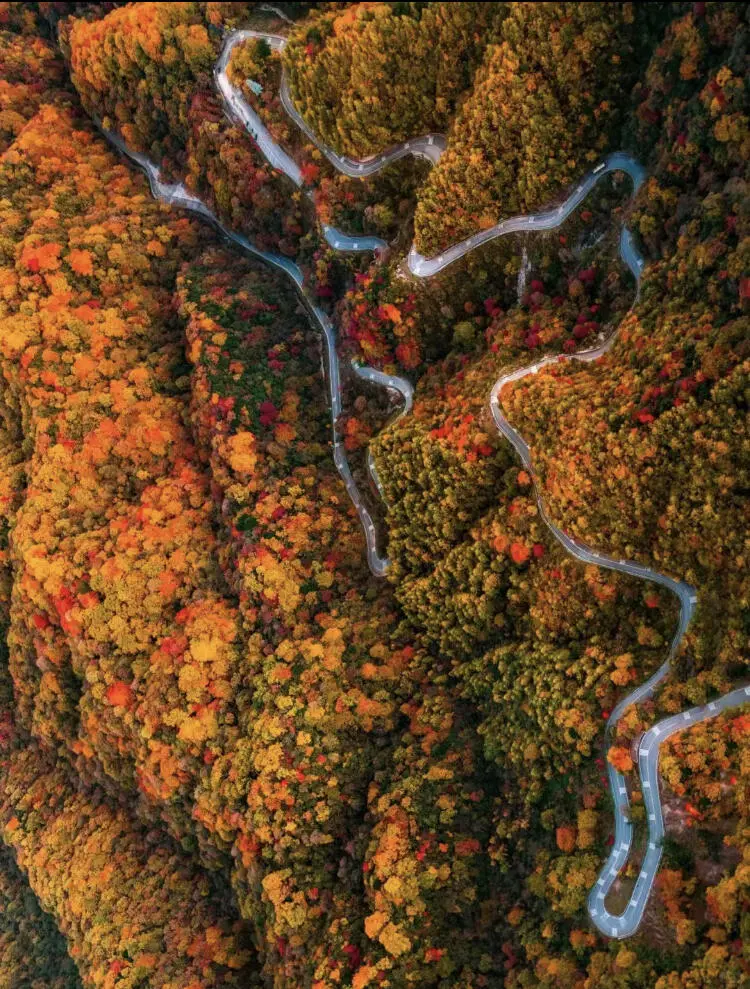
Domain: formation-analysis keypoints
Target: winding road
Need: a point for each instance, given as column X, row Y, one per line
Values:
column 400, row 387
column 549, row 219
column 240, row 111
column 626, row 924
column 431, row 147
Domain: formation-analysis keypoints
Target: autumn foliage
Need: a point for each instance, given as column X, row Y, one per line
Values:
column 229, row 755
column 163, row 54
column 375, row 74
column 547, row 102
column 32, row 950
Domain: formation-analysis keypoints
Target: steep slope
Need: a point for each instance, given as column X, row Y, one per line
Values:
column 547, row 102
column 145, row 71
column 380, row 783
column 375, row 74
column 32, row 950
column 645, row 451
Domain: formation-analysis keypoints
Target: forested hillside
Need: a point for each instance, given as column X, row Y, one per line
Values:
column 549, row 99
column 232, row 753
column 372, row 74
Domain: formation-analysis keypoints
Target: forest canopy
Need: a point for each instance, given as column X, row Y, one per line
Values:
column 232, row 753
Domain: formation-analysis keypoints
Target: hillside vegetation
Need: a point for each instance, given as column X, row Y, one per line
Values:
column 229, row 754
